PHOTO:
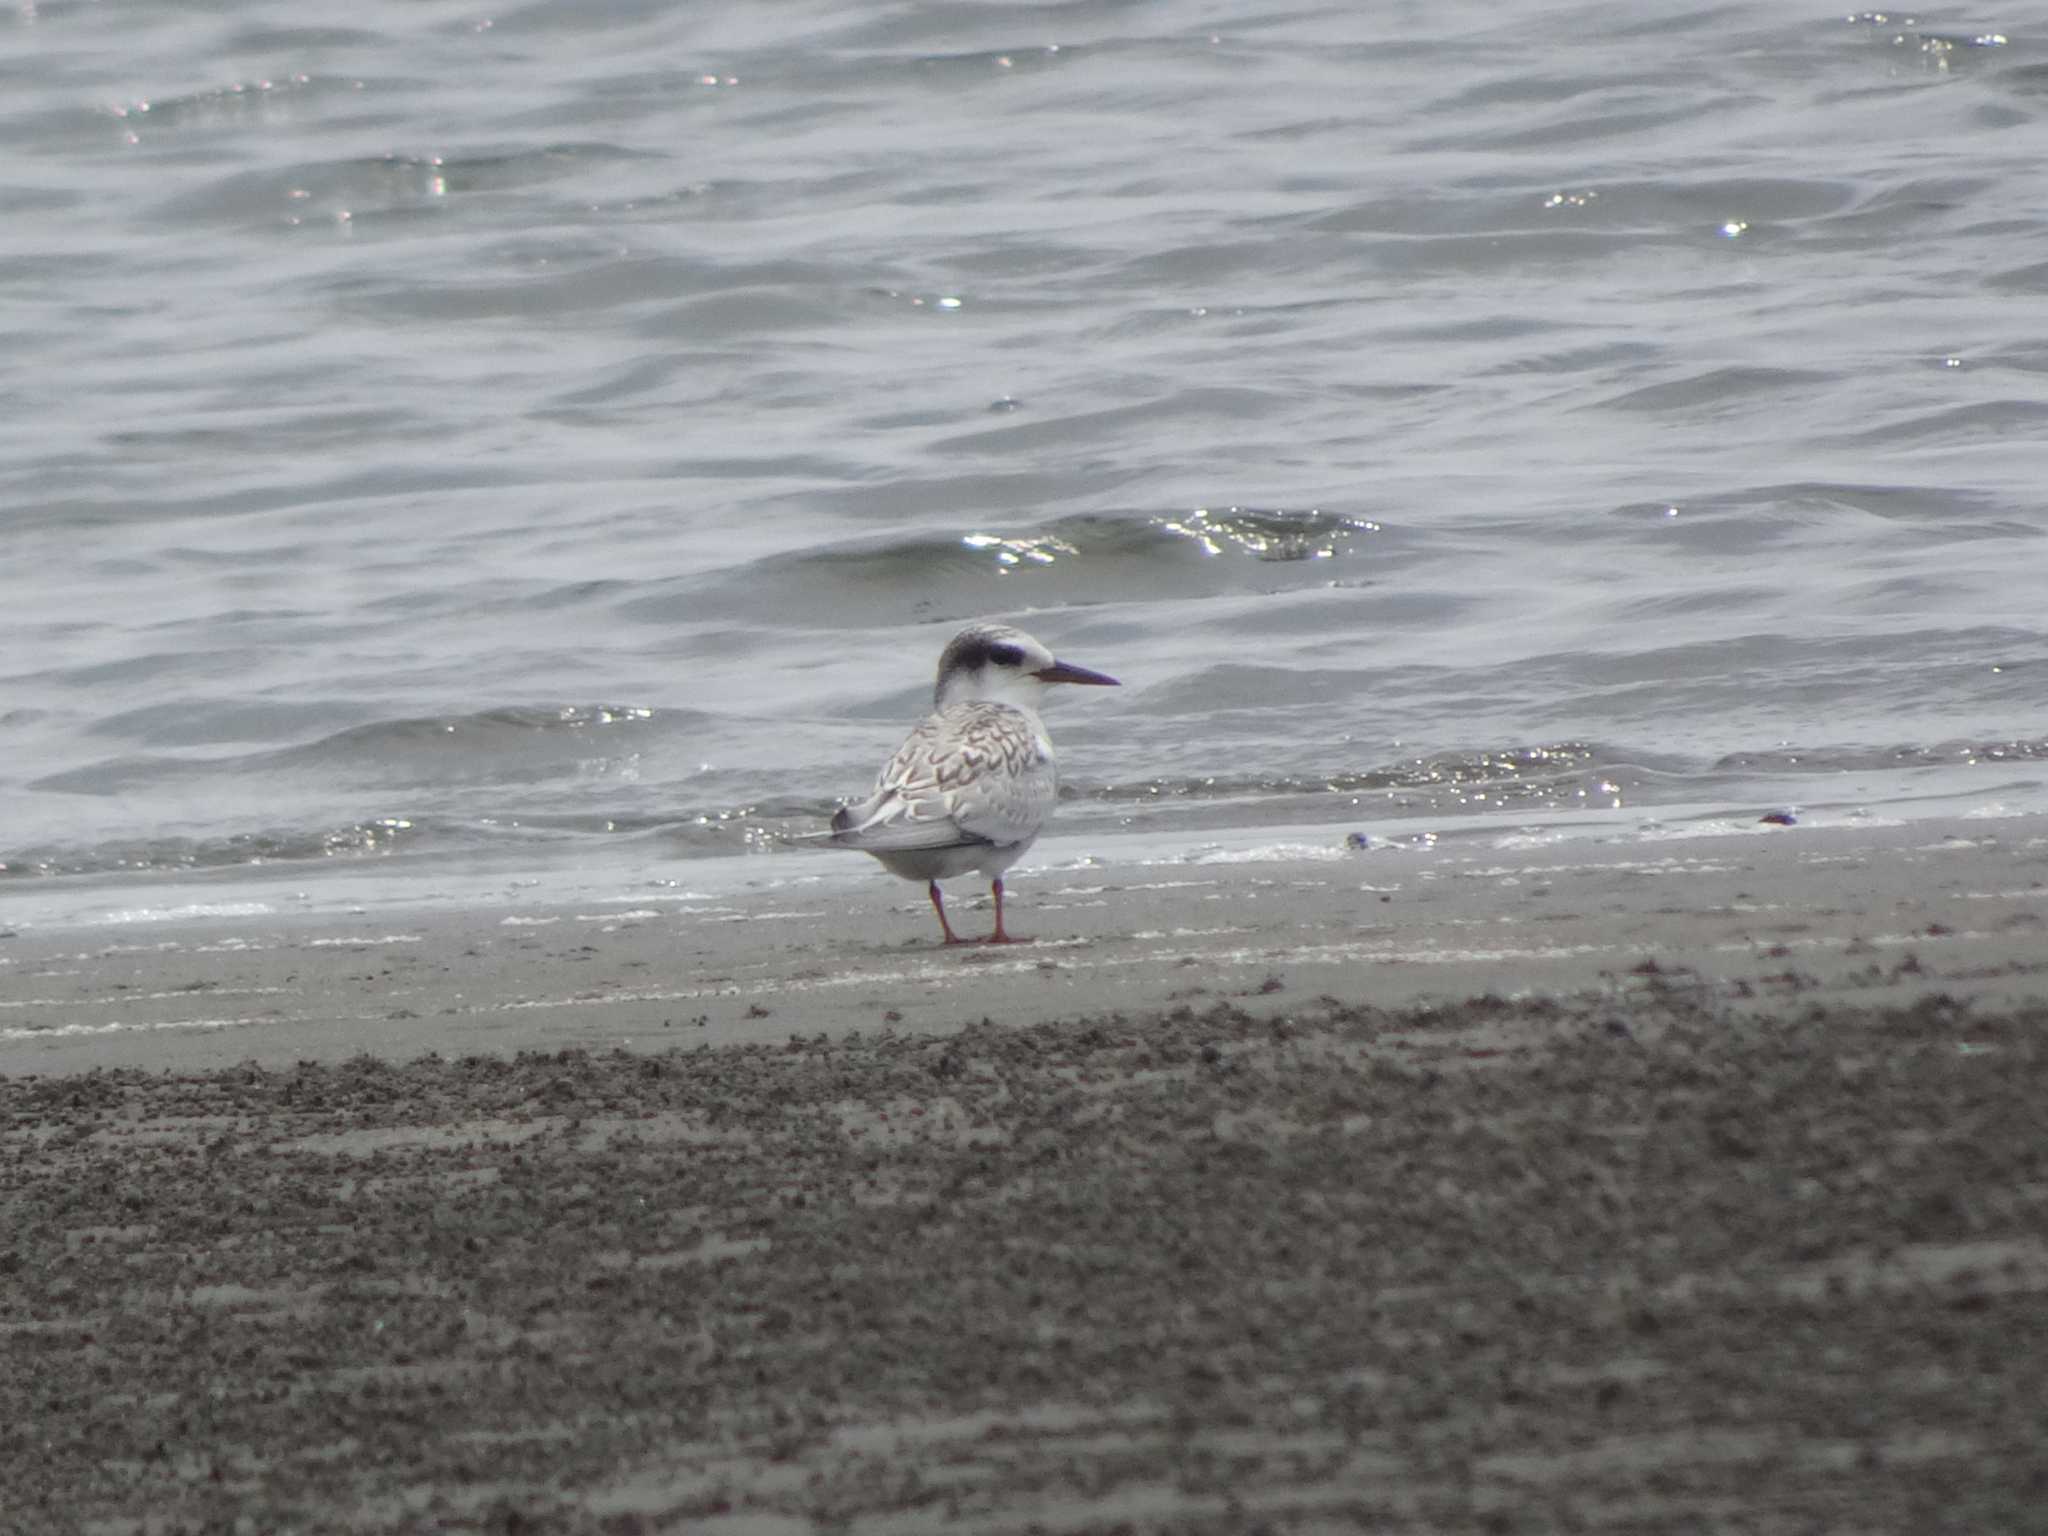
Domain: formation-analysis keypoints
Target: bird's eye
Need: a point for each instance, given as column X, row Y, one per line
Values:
column 1006, row 655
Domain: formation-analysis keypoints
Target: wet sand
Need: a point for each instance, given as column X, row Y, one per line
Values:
column 1700, row 1188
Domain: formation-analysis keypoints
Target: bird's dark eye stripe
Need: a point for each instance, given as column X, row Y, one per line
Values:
column 1006, row 655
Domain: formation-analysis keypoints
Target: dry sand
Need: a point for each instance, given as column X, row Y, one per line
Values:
column 1698, row 1186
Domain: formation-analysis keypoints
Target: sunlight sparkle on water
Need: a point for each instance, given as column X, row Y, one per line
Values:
column 1011, row 553
column 1270, row 535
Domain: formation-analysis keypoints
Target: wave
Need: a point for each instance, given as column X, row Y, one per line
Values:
column 164, row 855
column 1132, row 556
column 518, row 744
column 1537, row 778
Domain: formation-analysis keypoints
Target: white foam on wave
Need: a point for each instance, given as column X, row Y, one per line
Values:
column 1267, row 853
column 194, row 910
column 72, row 1031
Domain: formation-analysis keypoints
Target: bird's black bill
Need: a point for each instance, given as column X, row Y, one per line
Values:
column 1066, row 672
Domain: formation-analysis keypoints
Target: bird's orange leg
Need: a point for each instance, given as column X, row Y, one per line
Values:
column 939, row 906
column 1000, row 937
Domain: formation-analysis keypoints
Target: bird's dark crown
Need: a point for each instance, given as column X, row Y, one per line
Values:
column 981, row 646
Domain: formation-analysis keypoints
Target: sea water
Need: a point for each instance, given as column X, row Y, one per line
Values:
column 444, row 432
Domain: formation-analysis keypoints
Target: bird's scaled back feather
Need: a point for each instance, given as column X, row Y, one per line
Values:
column 973, row 772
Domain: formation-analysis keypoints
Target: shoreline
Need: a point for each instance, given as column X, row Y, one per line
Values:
column 1551, row 1192
column 1873, row 913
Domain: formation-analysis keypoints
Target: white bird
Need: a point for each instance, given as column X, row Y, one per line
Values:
column 972, row 787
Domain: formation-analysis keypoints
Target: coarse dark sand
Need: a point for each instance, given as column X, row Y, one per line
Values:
column 1649, row 1265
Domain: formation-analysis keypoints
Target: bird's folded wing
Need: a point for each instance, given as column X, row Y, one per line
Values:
column 900, row 834
column 904, row 813
column 891, row 820
column 955, row 782
column 1001, row 809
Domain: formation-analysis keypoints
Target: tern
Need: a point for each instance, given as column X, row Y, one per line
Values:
column 972, row 787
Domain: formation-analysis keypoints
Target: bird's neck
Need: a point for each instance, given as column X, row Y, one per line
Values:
column 1025, row 694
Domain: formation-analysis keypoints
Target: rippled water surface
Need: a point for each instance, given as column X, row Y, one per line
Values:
column 435, row 428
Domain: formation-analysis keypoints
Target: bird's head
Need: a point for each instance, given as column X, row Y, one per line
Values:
column 1004, row 665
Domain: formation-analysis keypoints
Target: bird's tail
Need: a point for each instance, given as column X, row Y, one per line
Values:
column 842, row 819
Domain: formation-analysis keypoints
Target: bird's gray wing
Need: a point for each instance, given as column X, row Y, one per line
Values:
column 974, row 773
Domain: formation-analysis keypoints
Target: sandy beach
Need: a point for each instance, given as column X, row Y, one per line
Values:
column 1684, row 1185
